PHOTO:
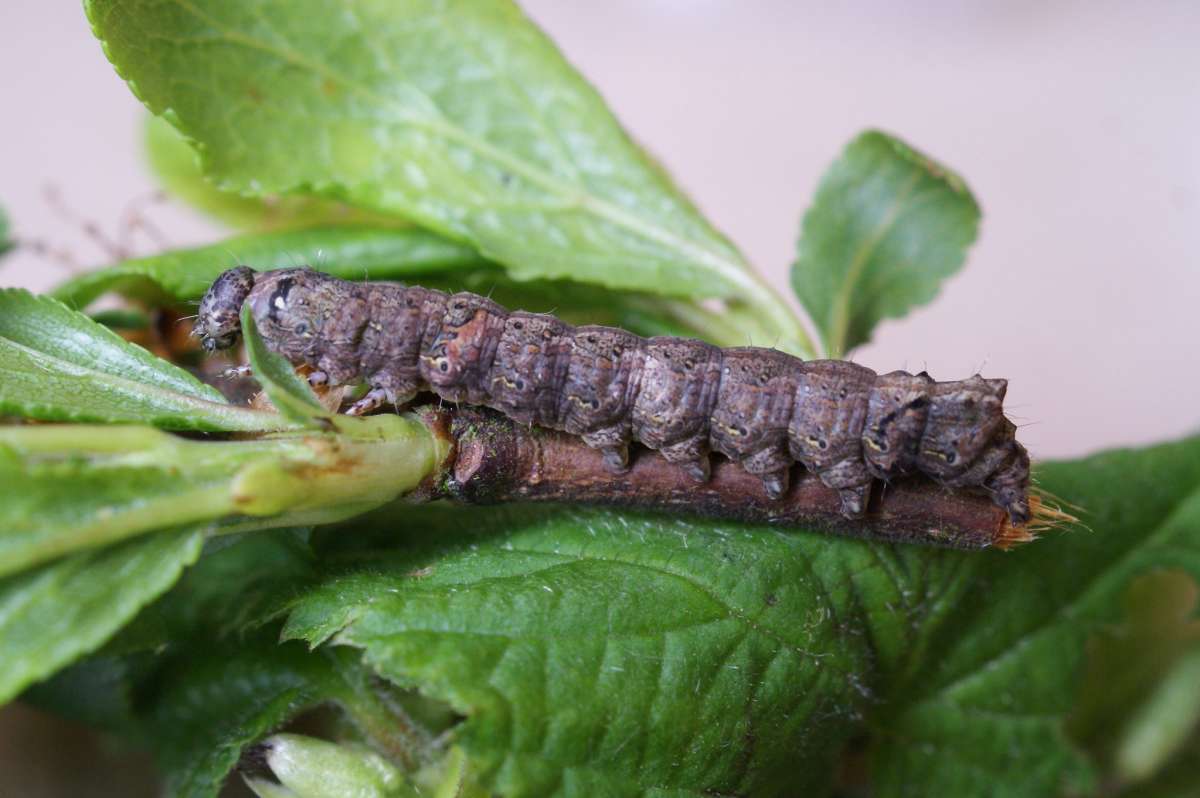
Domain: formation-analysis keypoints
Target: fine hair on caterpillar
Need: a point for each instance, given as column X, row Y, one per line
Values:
column 762, row 408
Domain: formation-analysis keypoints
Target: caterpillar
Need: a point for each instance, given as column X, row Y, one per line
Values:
column 685, row 398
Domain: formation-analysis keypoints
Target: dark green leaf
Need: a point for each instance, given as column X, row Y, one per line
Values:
column 240, row 583
column 1128, row 660
column 348, row 252
column 600, row 653
column 982, row 707
column 887, row 226
column 54, row 614
column 210, row 705
column 59, row 365
column 464, row 118
column 597, row 652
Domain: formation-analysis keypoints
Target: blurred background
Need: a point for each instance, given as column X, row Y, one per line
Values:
column 1076, row 124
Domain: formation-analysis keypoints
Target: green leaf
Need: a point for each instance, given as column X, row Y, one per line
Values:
column 5, row 242
column 54, row 507
column 347, row 252
column 56, row 613
column 177, row 165
column 1161, row 727
column 71, row 487
column 412, row 256
column 210, row 705
column 983, row 706
column 600, row 652
column 606, row 653
column 312, row 768
column 59, row 365
column 286, row 389
column 465, row 119
column 238, row 586
column 887, row 226
column 1128, row 661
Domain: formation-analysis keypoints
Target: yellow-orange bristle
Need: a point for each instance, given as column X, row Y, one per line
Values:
column 1046, row 514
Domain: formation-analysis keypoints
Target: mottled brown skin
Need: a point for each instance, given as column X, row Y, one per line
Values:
column 827, row 437
column 749, row 425
column 530, row 368
column 761, row 408
column 896, row 415
column 458, row 362
column 680, row 382
column 604, row 377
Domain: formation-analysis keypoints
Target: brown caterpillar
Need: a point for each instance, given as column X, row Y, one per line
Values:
column 762, row 408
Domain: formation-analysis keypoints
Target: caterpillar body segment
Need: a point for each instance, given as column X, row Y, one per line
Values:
column 762, row 408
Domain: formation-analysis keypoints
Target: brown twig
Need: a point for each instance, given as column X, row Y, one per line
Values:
column 495, row 460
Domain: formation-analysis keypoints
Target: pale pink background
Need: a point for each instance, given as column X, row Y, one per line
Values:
column 1077, row 125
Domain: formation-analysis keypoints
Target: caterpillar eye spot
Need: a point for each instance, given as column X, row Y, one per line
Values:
column 301, row 328
column 594, row 404
column 951, row 458
column 517, row 325
column 591, row 339
column 460, row 305
column 520, row 385
column 443, row 366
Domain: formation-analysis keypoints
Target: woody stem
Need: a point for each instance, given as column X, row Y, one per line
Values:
column 495, row 460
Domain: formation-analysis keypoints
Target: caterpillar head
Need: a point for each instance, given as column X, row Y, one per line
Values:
column 219, row 323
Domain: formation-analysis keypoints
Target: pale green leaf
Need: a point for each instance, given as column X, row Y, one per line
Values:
column 59, row 365
column 887, row 226
column 177, row 165
column 461, row 116
column 287, row 390
column 312, row 768
column 54, row 614
column 5, row 243
column 351, row 253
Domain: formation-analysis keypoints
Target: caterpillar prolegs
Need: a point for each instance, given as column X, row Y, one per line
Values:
column 762, row 408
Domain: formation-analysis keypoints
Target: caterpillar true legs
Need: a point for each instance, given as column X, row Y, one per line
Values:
column 762, row 408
